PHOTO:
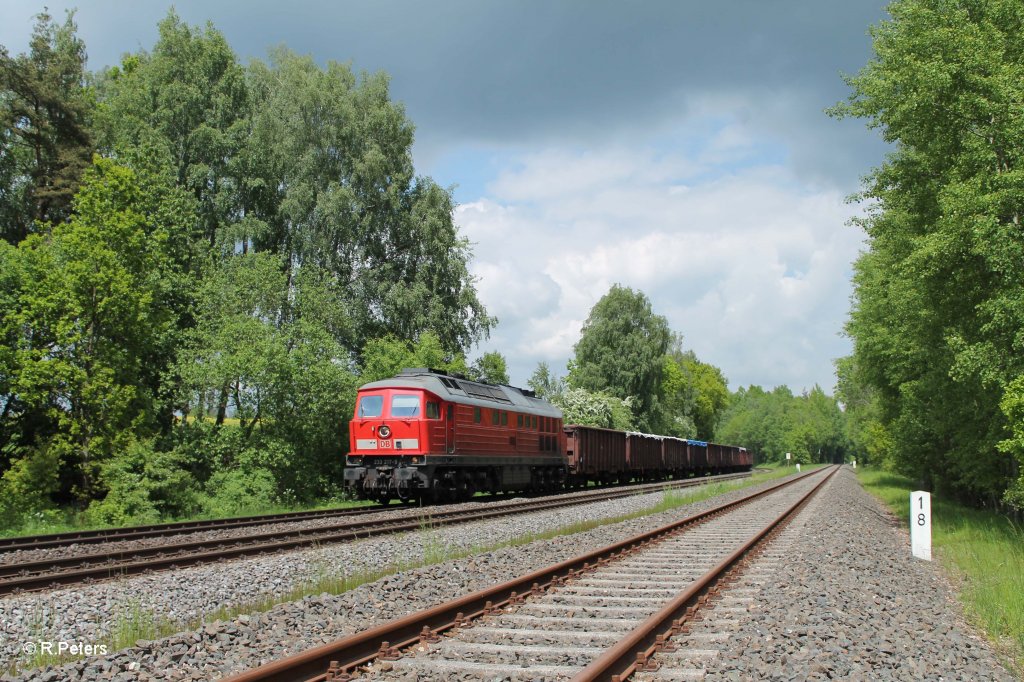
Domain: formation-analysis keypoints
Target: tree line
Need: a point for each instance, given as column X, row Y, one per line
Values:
column 935, row 384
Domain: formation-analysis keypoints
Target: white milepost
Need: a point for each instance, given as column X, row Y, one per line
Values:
column 921, row 525
column 798, row 467
column 854, row 464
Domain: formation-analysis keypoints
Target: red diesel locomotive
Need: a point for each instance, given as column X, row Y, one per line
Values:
column 427, row 435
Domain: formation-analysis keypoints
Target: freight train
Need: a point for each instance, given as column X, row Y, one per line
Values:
column 426, row 435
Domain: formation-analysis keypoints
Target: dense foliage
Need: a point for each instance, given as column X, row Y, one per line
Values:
column 200, row 262
column 939, row 294
column 810, row 427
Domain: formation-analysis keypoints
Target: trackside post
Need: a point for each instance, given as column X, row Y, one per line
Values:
column 921, row 525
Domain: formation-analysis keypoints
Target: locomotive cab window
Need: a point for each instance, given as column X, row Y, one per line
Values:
column 405, row 406
column 433, row 410
column 370, row 406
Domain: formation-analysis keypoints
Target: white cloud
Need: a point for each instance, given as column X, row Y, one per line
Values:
column 749, row 264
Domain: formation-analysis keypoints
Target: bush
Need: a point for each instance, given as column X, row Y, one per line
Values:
column 595, row 408
column 26, row 487
column 145, row 485
column 233, row 493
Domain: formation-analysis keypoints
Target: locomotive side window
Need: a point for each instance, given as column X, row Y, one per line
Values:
column 519, row 420
column 495, row 417
column 405, row 406
column 504, row 418
column 371, row 406
column 476, row 415
column 433, row 410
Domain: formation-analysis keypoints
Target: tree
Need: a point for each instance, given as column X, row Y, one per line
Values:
column 694, row 394
column 1013, row 406
column 188, row 103
column 545, row 384
column 288, row 381
column 384, row 358
column 44, row 118
column 865, row 431
column 490, row 367
column 89, row 307
column 938, row 300
column 330, row 183
column 620, row 351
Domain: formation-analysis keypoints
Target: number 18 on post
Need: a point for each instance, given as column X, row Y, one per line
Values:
column 921, row 525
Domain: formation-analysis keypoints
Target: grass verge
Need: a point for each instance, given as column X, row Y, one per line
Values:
column 135, row 623
column 983, row 551
column 69, row 521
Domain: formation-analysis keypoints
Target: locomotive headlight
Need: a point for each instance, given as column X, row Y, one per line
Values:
column 384, row 431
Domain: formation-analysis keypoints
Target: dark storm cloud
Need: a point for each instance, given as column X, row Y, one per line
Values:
column 519, row 73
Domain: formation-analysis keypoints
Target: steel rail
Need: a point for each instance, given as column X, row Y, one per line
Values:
column 36, row 575
column 383, row 641
column 636, row 648
column 105, row 535
column 30, row 542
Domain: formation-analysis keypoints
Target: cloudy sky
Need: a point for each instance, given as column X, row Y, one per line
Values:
column 676, row 147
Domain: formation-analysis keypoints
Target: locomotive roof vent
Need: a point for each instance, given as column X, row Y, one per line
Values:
column 484, row 391
column 459, row 382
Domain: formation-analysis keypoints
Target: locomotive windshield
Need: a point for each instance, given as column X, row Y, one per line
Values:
column 370, row 406
column 405, row 406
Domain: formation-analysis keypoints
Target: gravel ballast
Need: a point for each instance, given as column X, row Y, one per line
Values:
column 88, row 613
column 851, row 604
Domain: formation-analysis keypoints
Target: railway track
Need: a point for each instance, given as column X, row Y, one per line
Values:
column 604, row 615
column 160, row 530
column 90, row 537
column 21, row 575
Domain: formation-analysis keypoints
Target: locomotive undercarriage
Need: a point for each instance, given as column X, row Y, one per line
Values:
column 450, row 479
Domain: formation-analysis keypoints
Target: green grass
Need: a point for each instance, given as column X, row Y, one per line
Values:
column 983, row 551
column 69, row 521
column 133, row 623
